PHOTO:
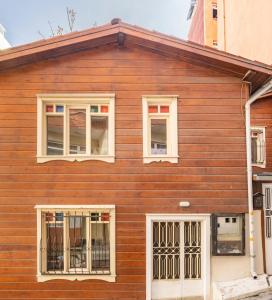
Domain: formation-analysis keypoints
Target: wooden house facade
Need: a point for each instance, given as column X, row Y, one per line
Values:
column 123, row 166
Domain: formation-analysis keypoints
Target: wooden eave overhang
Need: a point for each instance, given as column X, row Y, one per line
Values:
column 254, row 72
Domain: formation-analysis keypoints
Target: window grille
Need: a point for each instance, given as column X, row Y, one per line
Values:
column 166, row 250
column 75, row 242
column 192, row 250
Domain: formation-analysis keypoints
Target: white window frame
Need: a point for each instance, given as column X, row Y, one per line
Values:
column 76, row 101
column 111, row 277
column 172, row 128
column 263, row 163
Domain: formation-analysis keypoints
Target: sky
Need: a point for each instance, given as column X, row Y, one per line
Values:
column 23, row 19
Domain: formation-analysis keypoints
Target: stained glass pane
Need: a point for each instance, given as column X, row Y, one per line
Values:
column 99, row 135
column 164, row 109
column 100, row 246
column 94, row 108
column 77, row 131
column 158, row 136
column 49, row 108
column 54, row 135
column 105, row 217
column 104, row 108
column 59, row 108
column 153, row 108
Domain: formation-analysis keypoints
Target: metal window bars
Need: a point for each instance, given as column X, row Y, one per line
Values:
column 75, row 242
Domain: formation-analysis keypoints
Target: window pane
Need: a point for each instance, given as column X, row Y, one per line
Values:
column 158, row 136
column 77, row 238
column 229, row 235
column 100, row 246
column 54, row 243
column 99, row 135
column 77, row 131
column 54, row 135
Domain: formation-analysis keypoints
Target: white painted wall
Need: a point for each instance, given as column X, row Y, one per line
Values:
column 4, row 44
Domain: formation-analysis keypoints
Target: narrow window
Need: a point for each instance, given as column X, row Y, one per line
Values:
column 258, row 153
column 214, row 11
column 228, row 234
column 76, row 242
column 160, row 129
column 77, row 119
column 54, row 135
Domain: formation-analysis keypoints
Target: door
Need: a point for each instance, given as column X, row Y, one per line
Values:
column 178, row 259
column 267, row 191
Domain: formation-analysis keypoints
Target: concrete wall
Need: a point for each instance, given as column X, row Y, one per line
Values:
column 246, row 28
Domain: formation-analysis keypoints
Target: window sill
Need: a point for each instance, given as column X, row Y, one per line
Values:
column 260, row 165
column 171, row 159
column 106, row 158
column 108, row 278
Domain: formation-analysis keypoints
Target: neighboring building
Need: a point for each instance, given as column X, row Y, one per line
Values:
column 238, row 27
column 4, row 44
column 123, row 166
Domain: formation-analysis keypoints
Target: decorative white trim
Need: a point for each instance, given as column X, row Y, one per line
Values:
column 172, row 128
column 111, row 277
column 261, row 128
column 108, row 278
column 74, row 99
column 205, row 219
column 43, row 159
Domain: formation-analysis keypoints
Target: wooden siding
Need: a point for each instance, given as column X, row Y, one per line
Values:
column 211, row 172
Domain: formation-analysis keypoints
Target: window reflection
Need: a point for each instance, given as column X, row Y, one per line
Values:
column 158, row 136
column 99, row 135
column 77, row 119
column 54, row 135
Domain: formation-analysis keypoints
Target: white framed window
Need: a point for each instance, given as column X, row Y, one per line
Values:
column 258, row 151
column 214, row 10
column 160, row 133
column 76, row 242
column 75, row 127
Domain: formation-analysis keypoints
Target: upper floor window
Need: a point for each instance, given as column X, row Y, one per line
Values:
column 258, row 152
column 75, row 127
column 76, row 242
column 214, row 10
column 160, row 138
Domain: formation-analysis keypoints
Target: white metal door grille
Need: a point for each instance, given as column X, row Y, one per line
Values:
column 166, row 250
column 268, row 213
column 192, row 250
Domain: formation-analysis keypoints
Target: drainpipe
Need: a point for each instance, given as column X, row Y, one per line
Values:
column 260, row 92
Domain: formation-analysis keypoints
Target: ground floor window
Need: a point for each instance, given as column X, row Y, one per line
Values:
column 228, row 234
column 76, row 240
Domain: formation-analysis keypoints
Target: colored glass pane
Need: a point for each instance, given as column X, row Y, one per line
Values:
column 104, row 108
column 59, row 108
column 94, row 108
column 153, row 108
column 164, row 109
column 49, row 108
column 105, row 217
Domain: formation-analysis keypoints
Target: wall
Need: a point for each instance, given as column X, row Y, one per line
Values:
column 211, row 172
column 246, row 28
column 196, row 30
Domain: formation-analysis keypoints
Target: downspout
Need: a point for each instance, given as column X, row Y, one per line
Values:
column 260, row 92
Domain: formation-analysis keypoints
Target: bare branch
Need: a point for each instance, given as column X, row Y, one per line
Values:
column 51, row 28
column 43, row 36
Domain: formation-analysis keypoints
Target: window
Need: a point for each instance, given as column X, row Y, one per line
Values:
column 228, row 234
column 160, row 141
column 76, row 242
column 258, row 153
column 75, row 127
column 214, row 10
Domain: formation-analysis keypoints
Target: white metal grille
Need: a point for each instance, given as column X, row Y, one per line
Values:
column 268, row 213
column 192, row 250
column 166, row 250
